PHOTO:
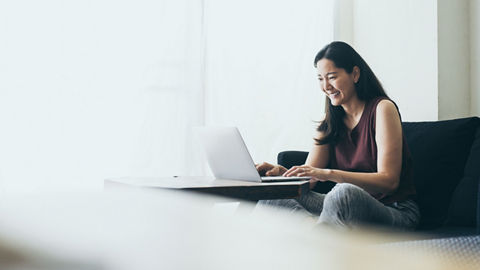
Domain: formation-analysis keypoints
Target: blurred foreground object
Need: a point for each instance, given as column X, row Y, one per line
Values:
column 145, row 229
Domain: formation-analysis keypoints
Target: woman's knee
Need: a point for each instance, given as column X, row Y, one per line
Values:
column 341, row 203
column 342, row 196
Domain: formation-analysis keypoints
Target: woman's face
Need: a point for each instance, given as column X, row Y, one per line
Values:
column 336, row 83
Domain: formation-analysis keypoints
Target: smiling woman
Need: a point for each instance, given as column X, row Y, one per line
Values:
column 360, row 146
column 346, row 77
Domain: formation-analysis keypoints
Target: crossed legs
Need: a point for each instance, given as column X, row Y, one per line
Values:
column 349, row 205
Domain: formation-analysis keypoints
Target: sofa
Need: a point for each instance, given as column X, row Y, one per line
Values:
column 446, row 157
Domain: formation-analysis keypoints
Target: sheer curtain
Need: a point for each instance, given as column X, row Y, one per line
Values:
column 97, row 89
column 260, row 75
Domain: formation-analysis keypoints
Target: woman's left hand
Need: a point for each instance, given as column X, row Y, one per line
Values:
column 306, row 170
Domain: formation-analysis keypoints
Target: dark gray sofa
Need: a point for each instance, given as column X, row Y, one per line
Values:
column 446, row 157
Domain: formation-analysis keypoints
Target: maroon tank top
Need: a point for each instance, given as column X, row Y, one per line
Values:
column 357, row 152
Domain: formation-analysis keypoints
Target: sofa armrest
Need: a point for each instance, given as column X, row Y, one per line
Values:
column 289, row 159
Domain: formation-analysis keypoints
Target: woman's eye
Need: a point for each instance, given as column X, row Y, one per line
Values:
column 332, row 78
column 320, row 79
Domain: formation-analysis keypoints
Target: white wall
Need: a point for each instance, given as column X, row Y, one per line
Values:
column 453, row 59
column 475, row 57
column 398, row 39
column 426, row 53
column 343, row 27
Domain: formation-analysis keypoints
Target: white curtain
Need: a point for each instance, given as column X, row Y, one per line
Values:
column 98, row 88
column 260, row 74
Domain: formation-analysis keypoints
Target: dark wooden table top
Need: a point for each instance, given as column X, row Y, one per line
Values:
column 244, row 190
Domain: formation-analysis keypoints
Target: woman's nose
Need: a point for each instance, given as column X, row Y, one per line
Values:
column 326, row 85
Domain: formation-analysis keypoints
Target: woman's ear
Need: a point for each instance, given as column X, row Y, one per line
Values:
column 356, row 74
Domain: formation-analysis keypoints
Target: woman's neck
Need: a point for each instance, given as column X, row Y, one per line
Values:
column 354, row 108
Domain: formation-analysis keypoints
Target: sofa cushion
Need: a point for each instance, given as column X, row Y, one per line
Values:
column 439, row 151
column 463, row 207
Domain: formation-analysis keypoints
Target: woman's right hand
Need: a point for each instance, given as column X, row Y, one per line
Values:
column 267, row 169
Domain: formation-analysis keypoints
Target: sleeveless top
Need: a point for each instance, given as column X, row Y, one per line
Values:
column 357, row 152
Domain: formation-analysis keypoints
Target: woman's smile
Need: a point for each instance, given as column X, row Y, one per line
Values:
column 334, row 94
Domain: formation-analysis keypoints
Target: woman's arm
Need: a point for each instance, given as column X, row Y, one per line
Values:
column 318, row 156
column 389, row 157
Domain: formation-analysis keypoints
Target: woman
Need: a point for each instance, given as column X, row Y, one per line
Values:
column 359, row 145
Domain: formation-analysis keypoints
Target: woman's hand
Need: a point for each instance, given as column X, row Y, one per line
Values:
column 307, row 170
column 316, row 174
column 268, row 169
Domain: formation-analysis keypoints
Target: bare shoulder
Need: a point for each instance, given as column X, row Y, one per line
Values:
column 386, row 106
column 388, row 116
column 386, row 109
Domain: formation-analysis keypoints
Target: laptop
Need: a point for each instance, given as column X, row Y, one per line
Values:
column 228, row 156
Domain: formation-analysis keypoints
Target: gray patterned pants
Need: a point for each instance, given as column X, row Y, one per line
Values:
column 349, row 205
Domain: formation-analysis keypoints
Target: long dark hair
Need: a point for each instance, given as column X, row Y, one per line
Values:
column 367, row 87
